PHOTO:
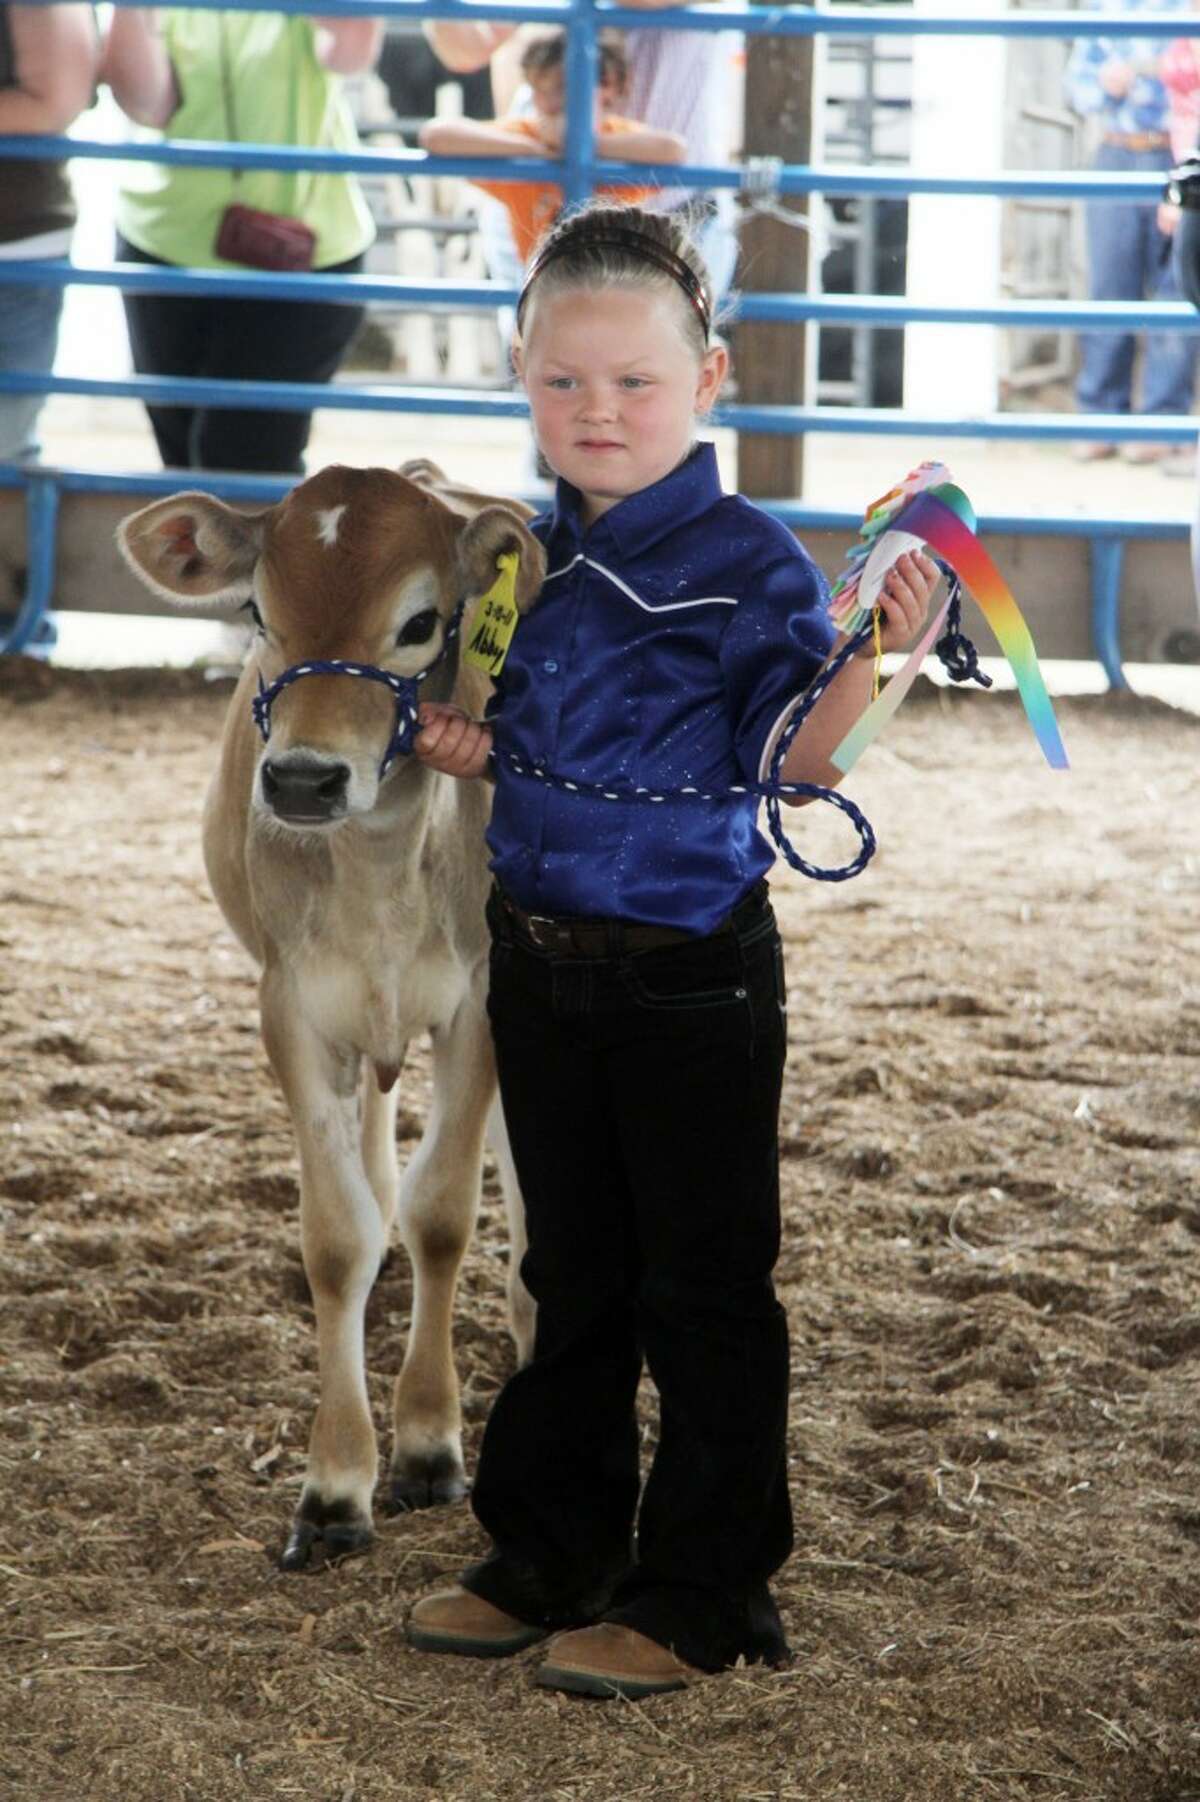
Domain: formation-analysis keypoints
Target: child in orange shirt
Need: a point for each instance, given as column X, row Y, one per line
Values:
column 533, row 206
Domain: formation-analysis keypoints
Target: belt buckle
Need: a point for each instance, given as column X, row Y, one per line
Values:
column 533, row 925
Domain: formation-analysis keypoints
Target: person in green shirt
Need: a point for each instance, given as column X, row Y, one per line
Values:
column 241, row 77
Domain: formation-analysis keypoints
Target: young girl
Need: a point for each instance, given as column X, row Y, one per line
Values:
column 637, row 997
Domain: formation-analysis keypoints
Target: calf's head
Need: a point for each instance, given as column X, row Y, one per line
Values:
column 354, row 565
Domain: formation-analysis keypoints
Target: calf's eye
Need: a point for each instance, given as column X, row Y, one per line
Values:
column 251, row 608
column 419, row 629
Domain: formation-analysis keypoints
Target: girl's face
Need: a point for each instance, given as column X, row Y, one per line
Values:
column 614, row 388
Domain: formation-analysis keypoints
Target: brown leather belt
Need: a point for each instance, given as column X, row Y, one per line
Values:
column 1138, row 140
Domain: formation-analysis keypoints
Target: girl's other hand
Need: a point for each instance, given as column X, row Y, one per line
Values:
column 904, row 599
column 449, row 740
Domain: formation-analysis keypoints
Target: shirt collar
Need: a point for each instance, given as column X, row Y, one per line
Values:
column 641, row 519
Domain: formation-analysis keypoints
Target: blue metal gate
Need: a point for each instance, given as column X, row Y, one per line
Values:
column 578, row 171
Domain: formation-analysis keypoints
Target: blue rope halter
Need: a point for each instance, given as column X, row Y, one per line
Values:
column 406, row 690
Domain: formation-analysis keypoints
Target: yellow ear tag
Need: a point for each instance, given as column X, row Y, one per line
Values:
column 494, row 620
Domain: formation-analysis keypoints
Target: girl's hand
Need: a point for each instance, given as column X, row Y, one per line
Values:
column 449, row 740
column 904, row 600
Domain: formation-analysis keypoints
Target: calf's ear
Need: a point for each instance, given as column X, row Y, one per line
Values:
column 484, row 538
column 425, row 473
column 192, row 548
column 430, row 478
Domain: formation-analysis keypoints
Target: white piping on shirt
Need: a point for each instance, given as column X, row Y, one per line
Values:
column 707, row 600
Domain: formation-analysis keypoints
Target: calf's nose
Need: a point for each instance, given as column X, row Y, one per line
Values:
column 304, row 791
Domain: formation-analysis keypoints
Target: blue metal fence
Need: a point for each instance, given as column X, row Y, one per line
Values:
column 578, row 171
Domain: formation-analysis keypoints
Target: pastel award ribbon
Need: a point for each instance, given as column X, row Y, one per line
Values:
column 928, row 509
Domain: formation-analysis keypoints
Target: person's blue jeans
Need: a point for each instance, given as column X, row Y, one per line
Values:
column 641, row 1093
column 1130, row 259
column 28, row 339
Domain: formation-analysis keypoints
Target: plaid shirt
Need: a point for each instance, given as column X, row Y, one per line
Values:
column 1144, row 108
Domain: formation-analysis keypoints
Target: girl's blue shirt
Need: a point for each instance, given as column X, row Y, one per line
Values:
column 667, row 649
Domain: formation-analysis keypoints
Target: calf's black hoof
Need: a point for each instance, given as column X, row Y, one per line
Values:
column 322, row 1532
column 428, row 1482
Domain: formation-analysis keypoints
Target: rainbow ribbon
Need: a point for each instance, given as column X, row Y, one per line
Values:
column 941, row 516
column 854, row 592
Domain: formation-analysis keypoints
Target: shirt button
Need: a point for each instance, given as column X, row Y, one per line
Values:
column 550, row 666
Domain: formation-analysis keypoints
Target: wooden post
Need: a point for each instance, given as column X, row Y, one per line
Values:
column 769, row 358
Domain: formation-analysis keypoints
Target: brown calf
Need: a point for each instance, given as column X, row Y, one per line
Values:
column 359, row 891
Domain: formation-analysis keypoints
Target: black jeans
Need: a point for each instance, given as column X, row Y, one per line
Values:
column 641, row 1094
column 235, row 340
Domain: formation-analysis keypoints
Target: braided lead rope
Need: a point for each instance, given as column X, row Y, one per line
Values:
column 954, row 649
column 774, row 790
column 771, row 791
column 404, row 688
column 958, row 655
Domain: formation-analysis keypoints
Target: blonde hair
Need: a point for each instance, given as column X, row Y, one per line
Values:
column 604, row 246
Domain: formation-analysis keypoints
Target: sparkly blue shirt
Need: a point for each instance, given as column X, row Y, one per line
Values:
column 669, row 644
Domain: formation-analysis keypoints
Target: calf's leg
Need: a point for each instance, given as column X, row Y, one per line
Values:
column 439, row 1195
column 343, row 1239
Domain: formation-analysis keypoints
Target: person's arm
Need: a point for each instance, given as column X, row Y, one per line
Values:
column 137, row 68
column 643, row 145
column 348, row 46
column 904, row 602
column 56, row 56
column 462, row 47
column 476, row 137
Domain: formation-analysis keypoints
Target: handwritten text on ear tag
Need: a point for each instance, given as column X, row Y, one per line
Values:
column 495, row 619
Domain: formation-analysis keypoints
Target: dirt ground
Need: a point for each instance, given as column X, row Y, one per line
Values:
column 991, row 1143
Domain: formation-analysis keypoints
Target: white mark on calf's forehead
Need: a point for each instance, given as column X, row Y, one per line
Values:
column 328, row 519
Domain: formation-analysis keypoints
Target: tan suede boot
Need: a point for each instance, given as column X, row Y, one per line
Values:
column 609, row 1660
column 454, row 1620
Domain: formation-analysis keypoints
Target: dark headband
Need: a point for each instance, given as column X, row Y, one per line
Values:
column 619, row 237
